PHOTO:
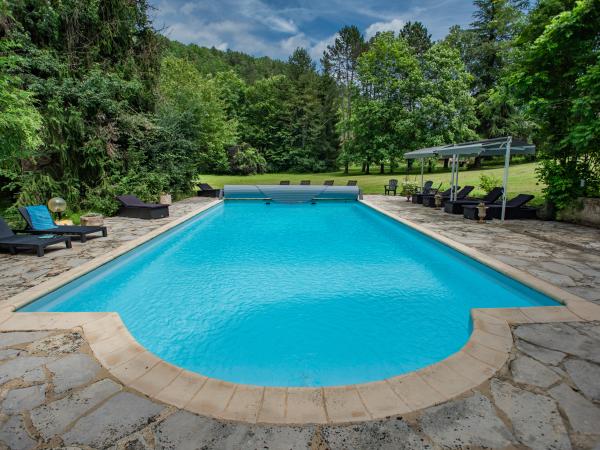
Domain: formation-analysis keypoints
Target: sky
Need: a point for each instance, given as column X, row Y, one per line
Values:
column 276, row 28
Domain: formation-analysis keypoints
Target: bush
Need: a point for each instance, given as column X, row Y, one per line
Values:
column 489, row 182
column 246, row 160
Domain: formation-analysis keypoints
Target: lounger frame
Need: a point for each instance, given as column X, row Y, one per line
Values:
column 79, row 232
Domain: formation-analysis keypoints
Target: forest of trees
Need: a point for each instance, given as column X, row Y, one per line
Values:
column 94, row 102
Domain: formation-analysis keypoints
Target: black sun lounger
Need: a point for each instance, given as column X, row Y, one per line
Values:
column 515, row 209
column 427, row 190
column 460, row 195
column 305, row 183
column 9, row 240
column 328, row 183
column 206, row 190
column 69, row 230
column 284, row 183
column 352, row 183
column 137, row 209
column 456, row 206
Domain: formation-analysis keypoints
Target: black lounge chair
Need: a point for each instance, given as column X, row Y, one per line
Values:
column 418, row 198
column 9, row 240
column 328, row 183
column 305, row 183
column 515, row 209
column 206, row 190
column 391, row 187
column 78, row 231
column 284, row 183
column 137, row 209
column 351, row 183
column 460, row 195
column 456, row 206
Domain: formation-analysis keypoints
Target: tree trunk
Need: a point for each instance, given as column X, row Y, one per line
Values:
column 392, row 165
column 364, row 167
column 367, row 168
column 429, row 166
column 346, row 168
column 409, row 164
column 477, row 162
column 446, row 162
column 382, row 168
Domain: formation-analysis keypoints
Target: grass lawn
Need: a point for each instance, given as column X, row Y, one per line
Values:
column 521, row 179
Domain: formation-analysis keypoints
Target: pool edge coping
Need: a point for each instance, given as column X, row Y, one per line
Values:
column 483, row 355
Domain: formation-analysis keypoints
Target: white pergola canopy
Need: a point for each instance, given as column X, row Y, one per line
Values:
column 488, row 147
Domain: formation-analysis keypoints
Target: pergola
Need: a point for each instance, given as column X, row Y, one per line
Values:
column 488, row 147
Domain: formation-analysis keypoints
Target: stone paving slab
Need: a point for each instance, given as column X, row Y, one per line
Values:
column 505, row 412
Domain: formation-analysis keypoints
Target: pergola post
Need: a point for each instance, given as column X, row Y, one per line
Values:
column 422, row 167
column 505, row 180
column 456, row 181
column 451, row 176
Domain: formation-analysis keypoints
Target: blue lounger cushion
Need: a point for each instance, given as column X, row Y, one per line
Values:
column 40, row 217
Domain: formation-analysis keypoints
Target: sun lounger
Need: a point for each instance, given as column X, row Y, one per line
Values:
column 351, row 183
column 427, row 190
column 456, row 206
column 305, row 183
column 515, row 209
column 462, row 194
column 9, row 240
column 284, row 183
column 137, row 209
column 39, row 221
column 206, row 190
column 328, row 183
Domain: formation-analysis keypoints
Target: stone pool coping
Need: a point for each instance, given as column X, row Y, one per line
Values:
column 485, row 353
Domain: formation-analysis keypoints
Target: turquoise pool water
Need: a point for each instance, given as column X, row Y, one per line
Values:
column 294, row 295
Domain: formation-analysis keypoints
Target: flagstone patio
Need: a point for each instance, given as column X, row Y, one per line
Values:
column 54, row 393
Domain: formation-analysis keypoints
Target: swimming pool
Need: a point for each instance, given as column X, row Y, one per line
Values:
column 294, row 295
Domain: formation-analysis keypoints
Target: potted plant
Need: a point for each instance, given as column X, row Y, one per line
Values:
column 409, row 188
column 92, row 219
column 165, row 199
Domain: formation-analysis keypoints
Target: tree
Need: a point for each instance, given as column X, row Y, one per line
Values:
column 391, row 82
column 557, row 76
column 196, row 100
column 20, row 121
column 486, row 50
column 417, row 37
column 447, row 107
column 340, row 61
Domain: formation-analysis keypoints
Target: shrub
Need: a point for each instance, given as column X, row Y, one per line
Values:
column 246, row 160
column 489, row 182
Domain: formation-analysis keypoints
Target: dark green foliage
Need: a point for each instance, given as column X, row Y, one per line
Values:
column 90, row 68
column 340, row 63
column 557, row 77
column 94, row 103
column 245, row 160
column 486, row 48
column 212, row 60
column 417, row 37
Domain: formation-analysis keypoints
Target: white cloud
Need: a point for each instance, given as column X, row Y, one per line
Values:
column 394, row 25
column 280, row 24
column 293, row 42
column 317, row 49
